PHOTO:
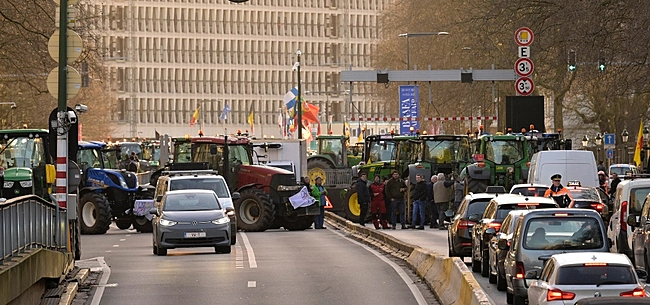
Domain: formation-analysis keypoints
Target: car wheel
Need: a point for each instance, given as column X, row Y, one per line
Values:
column 223, row 249
column 162, row 251
column 485, row 265
column 518, row 300
column 476, row 265
column 508, row 297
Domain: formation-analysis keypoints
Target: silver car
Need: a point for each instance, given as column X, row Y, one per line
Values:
column 190, row 218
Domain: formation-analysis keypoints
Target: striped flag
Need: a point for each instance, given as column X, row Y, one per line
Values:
column 224, row 113
column 195, row 117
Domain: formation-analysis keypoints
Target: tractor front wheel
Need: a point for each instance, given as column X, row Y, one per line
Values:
column 95, row 214
column 255, row 212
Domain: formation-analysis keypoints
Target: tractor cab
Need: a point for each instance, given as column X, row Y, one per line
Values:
column 441, row 154
column 182, row 149
column 334, row 149
column 151, row 153
column 28, row 166
column 385, row 153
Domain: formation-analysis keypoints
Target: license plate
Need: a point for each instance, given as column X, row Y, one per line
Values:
column 194, row 234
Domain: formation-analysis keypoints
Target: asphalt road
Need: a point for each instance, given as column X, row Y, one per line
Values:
column 273, row 267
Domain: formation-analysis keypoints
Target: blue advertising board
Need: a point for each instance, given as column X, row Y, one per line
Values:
column 409, row 108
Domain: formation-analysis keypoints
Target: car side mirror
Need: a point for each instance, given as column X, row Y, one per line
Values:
column 631, row 221
column 502, row 244
column 490, row 231
column 154, row 212
column 642, row 274
column 532, row 275
column 159, row 198
column 235, row 196
column 473, row 217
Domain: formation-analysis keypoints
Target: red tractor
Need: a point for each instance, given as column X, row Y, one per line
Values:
column 265, row 191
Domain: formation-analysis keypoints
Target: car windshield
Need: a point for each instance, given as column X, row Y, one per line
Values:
column 535, row 191
column 563, row 233
column 595, row 275
column 504, row 152
column 637, row 196
column 586, row 194
column 191, row 202
column 504, row 209
column 619, row 170
column 213, row 184
column 477, row 206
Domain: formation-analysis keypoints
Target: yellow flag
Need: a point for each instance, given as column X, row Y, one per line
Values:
column 639, row 145
column 195, row 117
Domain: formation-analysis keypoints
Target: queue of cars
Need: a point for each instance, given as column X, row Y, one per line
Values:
column 518, row 239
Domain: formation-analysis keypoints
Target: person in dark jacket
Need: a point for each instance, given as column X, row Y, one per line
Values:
column 419, row 202
column 363, row 197
column 615, row 181
column 433, row 208
column 395, row 189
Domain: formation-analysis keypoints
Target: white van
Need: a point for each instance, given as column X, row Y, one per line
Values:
column 571, row 164
column 628, row 201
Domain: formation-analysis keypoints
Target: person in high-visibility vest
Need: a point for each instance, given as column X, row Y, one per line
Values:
column 558, row 192
column 319, row 192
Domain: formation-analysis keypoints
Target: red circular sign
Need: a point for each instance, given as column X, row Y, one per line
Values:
column 524, row 36
column 524, row 67
column 524, row 86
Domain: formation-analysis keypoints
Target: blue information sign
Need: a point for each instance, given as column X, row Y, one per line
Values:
column 610, row 154
column 610, row 139
column 409, row 105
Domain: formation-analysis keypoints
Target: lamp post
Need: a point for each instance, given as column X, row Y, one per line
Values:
column 625, row 136
column 599, row 142
column 585, row 141
column 408, row 47
column 298, row 98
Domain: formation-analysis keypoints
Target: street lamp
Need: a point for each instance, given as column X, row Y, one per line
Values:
column 408, row 48
column 585, row 141
column 298, row 97
column 599, row 141
column 625, row 136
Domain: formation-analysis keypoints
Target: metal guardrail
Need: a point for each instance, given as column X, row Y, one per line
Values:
column 341, row 177
column 30, row 222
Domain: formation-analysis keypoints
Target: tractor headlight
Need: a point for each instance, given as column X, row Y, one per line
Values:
column 26, row 184
column 123, row 182
column 167, row 223
column 221, row 221
column 8, row 184
column 282, row 188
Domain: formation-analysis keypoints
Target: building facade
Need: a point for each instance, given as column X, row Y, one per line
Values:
column 167, row 58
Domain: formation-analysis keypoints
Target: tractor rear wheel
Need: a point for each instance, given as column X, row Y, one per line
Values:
column 255, row 212
column 298, row 223
column 95, row 214
column 316, row 167
column 352, row 208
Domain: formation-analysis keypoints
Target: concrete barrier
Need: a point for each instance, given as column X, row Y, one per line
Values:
column 449, row 278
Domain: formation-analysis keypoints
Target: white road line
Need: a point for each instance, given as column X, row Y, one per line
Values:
column 249, row 250
column 252, row 284
column 106, row 273
column 239, row 257
column 115, row 246
column 122, row 239
column 414, row 289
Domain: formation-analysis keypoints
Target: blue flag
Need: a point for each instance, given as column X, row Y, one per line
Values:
column 224, row 113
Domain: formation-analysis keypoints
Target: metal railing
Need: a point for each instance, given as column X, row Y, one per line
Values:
column 30, row 222
column 338, row 177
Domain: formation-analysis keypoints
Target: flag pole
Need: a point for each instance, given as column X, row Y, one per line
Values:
column 298, row 99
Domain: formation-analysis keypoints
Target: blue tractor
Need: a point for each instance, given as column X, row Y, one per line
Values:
column 107, row 193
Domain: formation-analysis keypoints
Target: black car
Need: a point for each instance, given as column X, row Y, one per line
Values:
column 592, row 198
column 495, row 212
column 459, row 237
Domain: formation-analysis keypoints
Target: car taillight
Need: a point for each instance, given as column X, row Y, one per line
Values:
column 495, row 225
column 520, row 270
column 597, row 206
column 528, row 164
column 623, row 221
column 638, row 292
column 464, row 224
column 555, row 294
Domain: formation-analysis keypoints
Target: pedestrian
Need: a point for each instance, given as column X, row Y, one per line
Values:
column 419, row 202
column 601, row 166
column 615, row 181
column 133, row 165
column 433, row 208
column 459, row 192
column 306, row 182
column 442, row 193
column 602, row 182
column 377, row 204
column 395, row 189
column 319, row 192
column 363, row 197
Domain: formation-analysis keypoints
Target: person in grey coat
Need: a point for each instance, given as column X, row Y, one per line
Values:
column 441, row 196
column 363, row 197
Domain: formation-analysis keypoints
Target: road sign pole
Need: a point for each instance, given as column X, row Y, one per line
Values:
column 62, row 134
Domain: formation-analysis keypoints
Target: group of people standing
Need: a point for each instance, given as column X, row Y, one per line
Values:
column 440, row 195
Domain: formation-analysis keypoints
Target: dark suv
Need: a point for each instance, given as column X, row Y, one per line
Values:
column 495, row 212
column 460, row 230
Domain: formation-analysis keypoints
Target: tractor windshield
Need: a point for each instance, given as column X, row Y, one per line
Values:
column 88, row 158
column 213, row 154
column 22, row 152
column 442, row 151
column 182, row 152
column 381, row 151
column 110, row 158
column 504, row 151
column 128, row 148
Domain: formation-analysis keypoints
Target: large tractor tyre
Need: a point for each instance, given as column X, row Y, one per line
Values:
column 255, row 212
column 123, row 223
column 95, row 214
column 316, row 167
column 298, row 223
column 476, row 186
column 351, row 202
column 142, row 224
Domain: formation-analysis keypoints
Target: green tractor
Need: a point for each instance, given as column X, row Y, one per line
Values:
column 441, row 154
column 333, row 153
column 499, row 160
column 382, row 155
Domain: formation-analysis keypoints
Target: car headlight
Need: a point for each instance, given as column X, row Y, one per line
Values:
column 221, row 221
column 26, row 184
column 282, row 188
column 167, row 223
column 123, row 182
column 230, row 213
column 8, row 184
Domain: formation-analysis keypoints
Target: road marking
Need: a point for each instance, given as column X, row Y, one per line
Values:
column 252, row 284
column 122, row 239
column 239, row 257
column 115, row 246
column 127, row 235
column 249, row 250
column 407, row 280
column 108, row 251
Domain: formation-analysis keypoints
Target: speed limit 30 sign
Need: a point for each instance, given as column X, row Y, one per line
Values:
column 524, row 86
column 524, row 67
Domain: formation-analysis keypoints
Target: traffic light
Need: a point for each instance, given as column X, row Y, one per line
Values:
column 601, row 65
column 572, row 61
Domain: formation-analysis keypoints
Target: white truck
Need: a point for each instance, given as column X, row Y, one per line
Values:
column 287, row 154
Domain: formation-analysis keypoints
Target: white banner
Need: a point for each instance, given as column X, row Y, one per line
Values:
column 302, row 199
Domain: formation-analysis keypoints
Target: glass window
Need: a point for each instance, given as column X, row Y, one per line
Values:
column 563, row 233
column 535, row 191
column 596, row 275
column 477, row 207
column 585, row 194
column 441, row 151
column 637, row 196
column 381, row 151
column 191, row 202
column 22, row 152
column 504, row 152
column 504, row 209
column 214, row 184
